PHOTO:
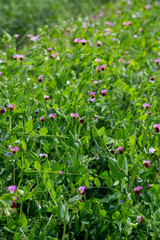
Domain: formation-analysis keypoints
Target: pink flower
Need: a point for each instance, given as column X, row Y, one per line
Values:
column 149, row 113
column 146, row 105
column 16, row 36
column 83, row 41
column 92, row 94
column 40, row 78
column 126, row 52
column 103, row 67
column 152, row 78
column 61, row 172
column 34, row 38
column 15, row 57
column 29, row 35
column 43, row 155
column 100, row 15
column 21, row 57
column 120, row 60
column 137, row 189
column 2, row 109
column 109, row 23
column 74, row 115
column 9, row 46
column 139, row 219
column 112, row 151
column 98, row 69
column 30, row 67
column 120, row 149
column 157, row 61
column 157, row 127
column 95, row 82
column 146, row 163
column 52, row 55
column 42, row 119
column 99, row 43
column 126, row 23
column 14, row 150
column 52, row 115
column 69, row 55
column 12, row 188
column 147, row 7
column 118, row 12
column 77, row 40
column 82, row 190
column 46, row 97
column 11, row 106
column 49, row 49
column 82, row 120
column 103, row 92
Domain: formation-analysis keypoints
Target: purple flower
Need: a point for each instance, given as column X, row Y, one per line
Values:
column 77, row 40
column 43, row 155
column 146, row 163
column 103, row 92
column 118, row 12
column 11, row 106
column 49, row 49
column 152, row 150
column 82, row 190
column 137, row 189
column 42, row 119
column 14, row 150
column 52, row 55
column 103, row 67
column 2, row 109
column 40, row 78
column 92, row 94
column 99, row 43
column 61, row 172
column 74, row 115
column 157, row 127
column 46, row 97
column 109, row 24
column 139, row 219
column 21, row 57
column 30, row 67
column 120, row 149
column 146, row 105
column 12, row 188
column 157, row 61
column 16, row 36
column 82, row 120
column 52, row 115
column 83, row 41
column 112, row 151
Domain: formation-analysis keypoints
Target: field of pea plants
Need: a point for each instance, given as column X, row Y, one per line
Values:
column 80, row 127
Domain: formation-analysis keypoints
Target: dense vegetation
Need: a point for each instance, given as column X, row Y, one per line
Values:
column 79, row 126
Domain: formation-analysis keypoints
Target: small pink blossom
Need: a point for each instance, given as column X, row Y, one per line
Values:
column 99, row 43
column 100, row 15
column 137, row 189
column 2, row 110
column 120, row 60
column 52, row 115
column 146, row 163
column 139, row 219
column 15, row 57
column 95, row 82
column 83, row 41
column 46, row 97
column 74, row 115
column 77, row 40
column 147, row 7
column 16, row 36
column 150, row 113
column 92, row 94
column 109, row 24
column 103, row 67
column 118, row 12
column 157, row 61
column 43, row 155
column 157, row 127
column 29, row 35
column 21, row 57
column 14, row 150
column 120, row 149
column 30, row 67
column 61, row 172
column 42, row 119
column 12, row 188
column 52, row 55
column 146, row 105
column 50, row 49
column 103, row 92
column 82, row 190
column 11, row 106
column 126, row 52
column 40, row 78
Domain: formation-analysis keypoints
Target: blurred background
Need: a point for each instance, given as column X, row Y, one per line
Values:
column 25, row 16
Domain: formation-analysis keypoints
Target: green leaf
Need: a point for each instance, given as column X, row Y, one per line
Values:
column 29, row 126
column 97, row 182
column 115, row 215
column 101, row 131
column 115, row 169
column 22, row 221
column 16, row 236
column 43, row 131
column 24, row 145
column 37, row 166
column 108, row 182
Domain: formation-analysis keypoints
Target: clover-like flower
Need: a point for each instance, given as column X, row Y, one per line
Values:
column 12, row 188
column 103, row 92
column 120, row 149
column 77, row 40
column 146, row 105
column 137, row 189
column 52, row 55
column 43, row 155
column 14, row 150
column 99, row 43
column 11, row 106
column 46, row 97
column 2, row 109
column 74, row 115
column 50, row 49
column 40, row 78
column 82, row 190
column 157, row 61
column 157, row 127
column 21, row 57
column 146, row 163
column 152, row 150
column 139, row 219
column 52, row 115
column 83, row 41
column 42, row 119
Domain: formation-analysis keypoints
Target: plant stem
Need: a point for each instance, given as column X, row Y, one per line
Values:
column 64, row 231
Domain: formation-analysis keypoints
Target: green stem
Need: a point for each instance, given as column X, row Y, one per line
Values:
column 64, row 231
column 10, row 127
column 132, row 179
